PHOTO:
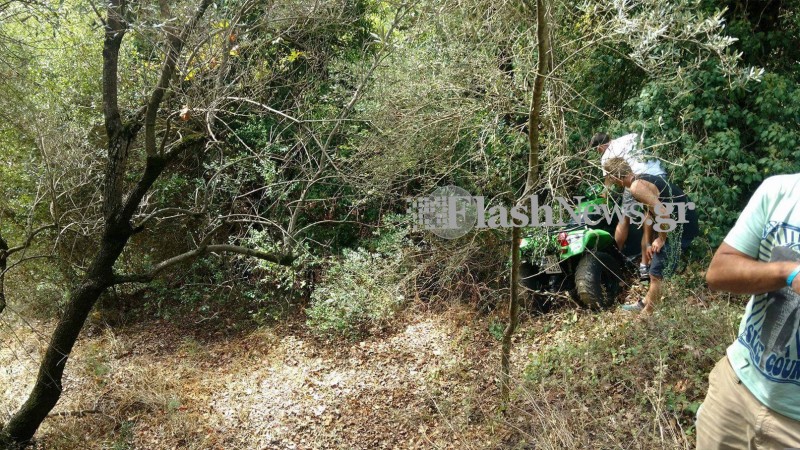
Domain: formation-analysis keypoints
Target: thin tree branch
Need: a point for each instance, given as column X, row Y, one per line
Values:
column 175, row 47
column 29, row 240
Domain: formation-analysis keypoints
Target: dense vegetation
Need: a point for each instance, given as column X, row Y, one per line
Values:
column 252, row 159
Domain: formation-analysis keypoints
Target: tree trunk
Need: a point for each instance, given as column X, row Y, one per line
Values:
column 117, row 214
column 543, row 66
column 513, row 319
column 3, row 267
column 47, row 390
column 532, row 180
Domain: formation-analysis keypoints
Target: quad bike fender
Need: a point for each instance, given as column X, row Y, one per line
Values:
column 593, row 239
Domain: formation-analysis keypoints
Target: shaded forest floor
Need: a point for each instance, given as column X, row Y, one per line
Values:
column 583, row 379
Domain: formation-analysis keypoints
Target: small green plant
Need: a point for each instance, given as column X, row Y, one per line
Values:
column 122, row 442
column 496, row 329
column 97, row 364
column 173, row 405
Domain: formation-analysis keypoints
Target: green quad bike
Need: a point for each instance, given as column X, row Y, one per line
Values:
column 581, row 258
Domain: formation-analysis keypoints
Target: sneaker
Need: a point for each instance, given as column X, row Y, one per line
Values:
column 644, row 272
column 634, row 307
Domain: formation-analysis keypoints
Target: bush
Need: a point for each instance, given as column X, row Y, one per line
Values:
column 359, row 292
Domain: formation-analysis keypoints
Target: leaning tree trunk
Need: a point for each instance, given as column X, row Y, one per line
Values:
column 3, row 267
column 47, row 390
column 99, row 276
column 118, row 209
column 532, row 180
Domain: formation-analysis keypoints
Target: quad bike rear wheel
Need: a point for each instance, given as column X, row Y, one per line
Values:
column 597, row 280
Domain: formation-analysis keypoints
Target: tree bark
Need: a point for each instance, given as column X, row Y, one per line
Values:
column 117, row 216
column 513, row 319
column 3, row 267
column 531, row 181
column 534, row 118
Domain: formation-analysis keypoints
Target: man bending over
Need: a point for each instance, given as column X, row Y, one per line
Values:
column 672, row 218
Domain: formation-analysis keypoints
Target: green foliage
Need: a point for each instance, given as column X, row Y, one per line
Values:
column 721, row 132
column 496, row 329
column 540, row 242
column 272, row 291
column 97, row 365
column 124, row 436
column 359, row 292
column 204, row 290
column 722, row 141
column 326, row 116
column 36, row 291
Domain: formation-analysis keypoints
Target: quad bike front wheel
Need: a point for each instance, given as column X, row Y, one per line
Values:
column 597, row 280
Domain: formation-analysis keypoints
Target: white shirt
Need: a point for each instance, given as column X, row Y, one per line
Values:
column 625, row 147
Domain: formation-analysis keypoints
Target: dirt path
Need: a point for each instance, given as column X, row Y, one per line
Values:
column 425, row 386
column 430, row 383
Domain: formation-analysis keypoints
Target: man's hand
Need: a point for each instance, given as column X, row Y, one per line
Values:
column 655, row 247
column 739, row 273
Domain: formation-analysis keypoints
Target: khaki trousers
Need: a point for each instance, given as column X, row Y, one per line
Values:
column 731, row 418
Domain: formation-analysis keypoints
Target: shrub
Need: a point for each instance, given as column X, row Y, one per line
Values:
column 359, row 292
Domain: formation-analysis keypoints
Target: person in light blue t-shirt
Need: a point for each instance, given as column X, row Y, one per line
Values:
column 753, row 398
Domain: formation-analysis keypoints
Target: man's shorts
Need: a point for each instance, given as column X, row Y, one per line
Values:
column 732, row 418
column 665, row 263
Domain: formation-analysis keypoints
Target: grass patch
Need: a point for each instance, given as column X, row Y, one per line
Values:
column 610, row 381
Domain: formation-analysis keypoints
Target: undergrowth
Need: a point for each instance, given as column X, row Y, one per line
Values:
column 610, row 381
